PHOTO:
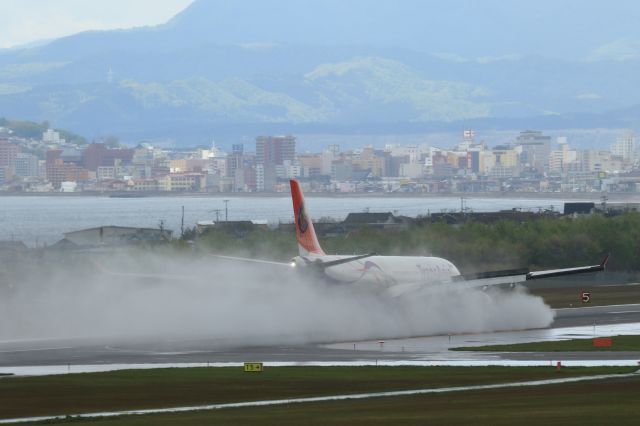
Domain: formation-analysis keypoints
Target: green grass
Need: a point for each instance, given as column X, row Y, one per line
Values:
column 570, row 297
column 135, row 389
column 620, row 344
column 612, row 401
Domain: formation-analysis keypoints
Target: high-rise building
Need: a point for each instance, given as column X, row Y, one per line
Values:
column 98, row 155
column 50, row 136
column 272, row 151
column 58, row 171
column 275, row 150
column 8, row 153
column 504, row 162
column 473, row 160
column 26, row 165
column 625, row 146
column 4, row 174
column 562, row 159
column 535, row 149
column 334, row 149
column 372, row 160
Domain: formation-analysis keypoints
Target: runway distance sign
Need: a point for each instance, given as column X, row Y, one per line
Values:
column 585, row 297
column 253, row 367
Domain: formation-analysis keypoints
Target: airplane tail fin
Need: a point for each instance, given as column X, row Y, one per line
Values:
column 305, row 233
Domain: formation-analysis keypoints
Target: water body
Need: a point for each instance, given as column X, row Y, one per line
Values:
column 44, row 219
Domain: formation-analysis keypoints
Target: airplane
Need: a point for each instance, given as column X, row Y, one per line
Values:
column 396, row 274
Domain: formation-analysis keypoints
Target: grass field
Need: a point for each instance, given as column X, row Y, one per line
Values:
column 611, row 402
column 131, row 389
column 567, row 297
column 620, row 343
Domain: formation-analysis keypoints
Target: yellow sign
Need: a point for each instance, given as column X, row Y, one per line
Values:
column 253, row 367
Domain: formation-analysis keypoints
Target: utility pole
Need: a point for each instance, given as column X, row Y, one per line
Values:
column 182, row 224
column 226, row 210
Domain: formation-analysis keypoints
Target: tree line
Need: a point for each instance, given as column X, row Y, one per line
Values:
column 541, row 243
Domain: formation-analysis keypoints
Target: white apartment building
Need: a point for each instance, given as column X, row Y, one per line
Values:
column 624, row 147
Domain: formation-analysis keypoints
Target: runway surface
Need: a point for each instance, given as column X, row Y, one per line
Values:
column 69, row 354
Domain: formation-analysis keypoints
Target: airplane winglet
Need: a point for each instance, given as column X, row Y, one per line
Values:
column 603, row 264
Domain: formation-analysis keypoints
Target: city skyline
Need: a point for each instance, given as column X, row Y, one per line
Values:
column 532, row 161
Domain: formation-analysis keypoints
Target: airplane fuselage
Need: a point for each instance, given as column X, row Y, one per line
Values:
column 385, row 271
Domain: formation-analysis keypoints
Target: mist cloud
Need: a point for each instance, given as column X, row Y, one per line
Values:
column 238, row 304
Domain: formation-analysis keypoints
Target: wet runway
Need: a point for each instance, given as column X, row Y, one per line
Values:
column 69, row 354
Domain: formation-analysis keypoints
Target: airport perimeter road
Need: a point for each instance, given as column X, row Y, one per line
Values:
column 569, row 323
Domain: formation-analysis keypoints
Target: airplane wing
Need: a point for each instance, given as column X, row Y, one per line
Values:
column 484, row 280
column 181, row 277
column 515, row 276
column 317, row 263
column 254, row 261
column 258, row 262
column 137, row 275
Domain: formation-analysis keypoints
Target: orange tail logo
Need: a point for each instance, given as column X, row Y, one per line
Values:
column 306, row 235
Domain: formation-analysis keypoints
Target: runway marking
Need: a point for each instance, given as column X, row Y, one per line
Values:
column 272, row 402
column 38, row 349
column 600, row 307
column 134, row 351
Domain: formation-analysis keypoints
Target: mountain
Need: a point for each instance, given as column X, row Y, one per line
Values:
column 240, row 68
column 561, row 29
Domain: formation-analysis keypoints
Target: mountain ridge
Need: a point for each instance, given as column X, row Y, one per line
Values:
column 204, row 72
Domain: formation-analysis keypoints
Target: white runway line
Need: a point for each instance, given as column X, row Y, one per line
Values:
column 319, row 399
column 57, row 348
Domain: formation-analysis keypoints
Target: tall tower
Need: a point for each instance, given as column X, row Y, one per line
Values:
column 273, row 151
column 625, row 146
column 536, row 148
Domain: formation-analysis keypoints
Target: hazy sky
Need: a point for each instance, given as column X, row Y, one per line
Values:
column 25, row 21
